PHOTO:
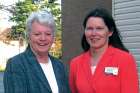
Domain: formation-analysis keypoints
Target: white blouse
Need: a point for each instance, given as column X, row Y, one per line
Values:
column 49, row 73
column 93, row 68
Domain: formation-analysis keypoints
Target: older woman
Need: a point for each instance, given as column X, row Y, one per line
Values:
column 35, row 71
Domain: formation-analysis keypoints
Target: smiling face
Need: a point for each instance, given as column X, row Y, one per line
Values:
column 41, row 38
column 97, row 33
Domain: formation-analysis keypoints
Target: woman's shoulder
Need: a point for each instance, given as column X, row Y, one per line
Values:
column 79, row 58
column 52, row 58
column 16, row 59
column 56, row 61
column 14, row 63
column 121, row 53
column 116, row 50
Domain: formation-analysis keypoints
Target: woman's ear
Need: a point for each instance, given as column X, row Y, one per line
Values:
column 110, row 33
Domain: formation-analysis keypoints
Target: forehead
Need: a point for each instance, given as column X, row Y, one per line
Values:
column 36, row 26
column 95, row 20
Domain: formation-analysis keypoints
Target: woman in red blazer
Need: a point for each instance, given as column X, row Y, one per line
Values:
column 106, row 66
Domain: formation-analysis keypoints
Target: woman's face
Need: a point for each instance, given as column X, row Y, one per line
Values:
column 41, row 38
column 97, row 33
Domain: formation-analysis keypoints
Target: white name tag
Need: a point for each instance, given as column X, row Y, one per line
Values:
column 111, row 70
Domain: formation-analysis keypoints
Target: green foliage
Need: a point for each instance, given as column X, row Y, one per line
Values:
column 20, row 14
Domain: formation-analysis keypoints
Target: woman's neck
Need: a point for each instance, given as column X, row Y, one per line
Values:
column 96, row 54
column 42, row 59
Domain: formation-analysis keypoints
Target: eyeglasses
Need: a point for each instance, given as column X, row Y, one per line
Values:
column 98, row 29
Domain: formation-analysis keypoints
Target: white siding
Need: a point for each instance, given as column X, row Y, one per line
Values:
column 127, row 17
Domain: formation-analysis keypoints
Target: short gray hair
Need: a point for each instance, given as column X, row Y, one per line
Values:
column 43, row 17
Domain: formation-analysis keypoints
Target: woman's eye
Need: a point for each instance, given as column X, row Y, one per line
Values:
column 36, row 34
column 100, row 28
column 89, row 29
column 48, row 34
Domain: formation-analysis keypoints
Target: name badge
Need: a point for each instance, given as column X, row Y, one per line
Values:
column 111, row 70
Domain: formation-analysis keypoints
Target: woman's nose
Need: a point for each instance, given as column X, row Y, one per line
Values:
column 94, row 32
column 43, row 37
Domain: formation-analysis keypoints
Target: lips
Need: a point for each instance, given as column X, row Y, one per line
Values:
column 94, row 39
column 42, row 44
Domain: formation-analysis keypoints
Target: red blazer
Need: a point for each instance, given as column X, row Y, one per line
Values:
column 125, row 81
